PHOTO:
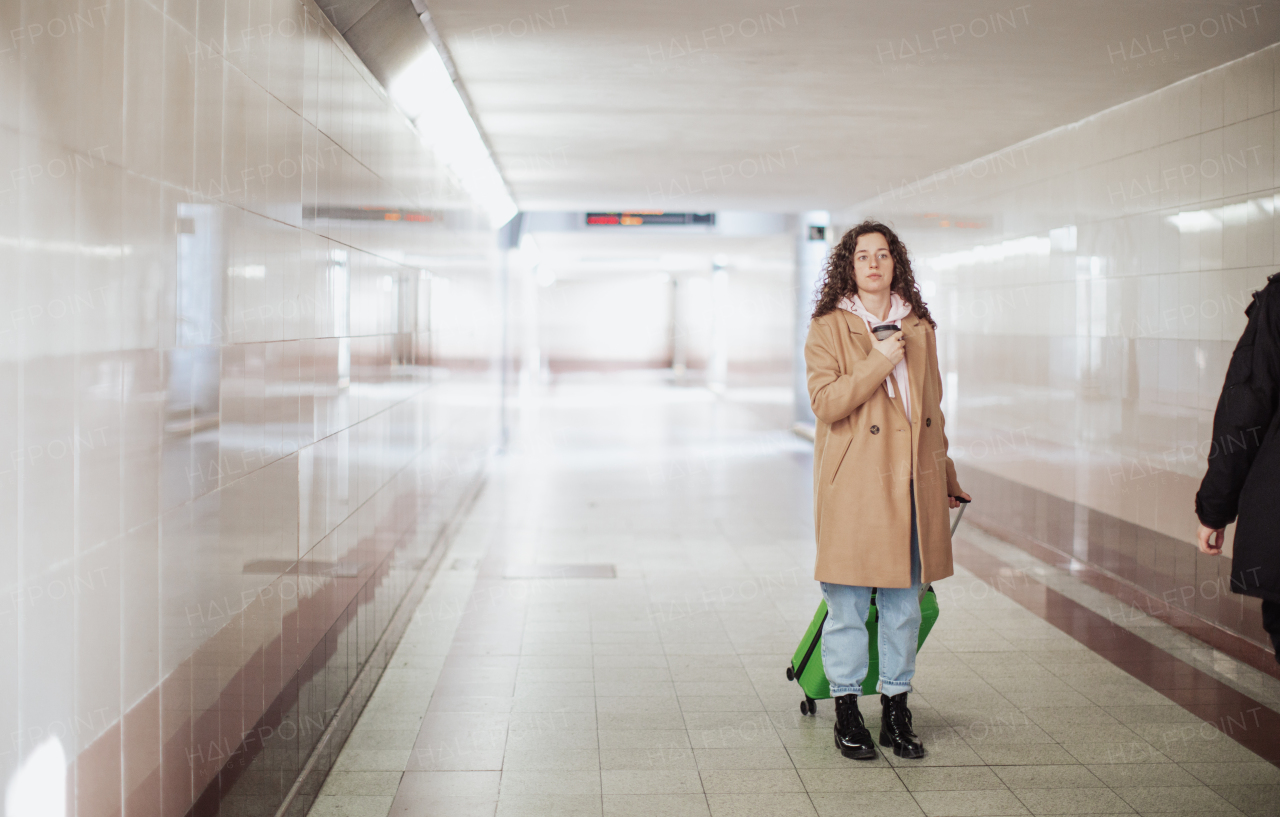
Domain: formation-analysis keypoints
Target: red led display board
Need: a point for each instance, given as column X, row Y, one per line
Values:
column 640, row 218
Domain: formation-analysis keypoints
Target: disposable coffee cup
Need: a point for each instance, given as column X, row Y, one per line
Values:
column 884, row 330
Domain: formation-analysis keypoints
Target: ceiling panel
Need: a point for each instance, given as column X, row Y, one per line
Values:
column 737, row 104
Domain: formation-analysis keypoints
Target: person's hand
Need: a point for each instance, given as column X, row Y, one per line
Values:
column 891, row 347
column 1210, row 539
column 954, row 501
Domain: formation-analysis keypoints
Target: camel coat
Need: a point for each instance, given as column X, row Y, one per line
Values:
column 867, row 454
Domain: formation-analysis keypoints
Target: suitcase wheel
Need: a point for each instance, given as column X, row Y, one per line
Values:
column 808, row 706
column 791, row 673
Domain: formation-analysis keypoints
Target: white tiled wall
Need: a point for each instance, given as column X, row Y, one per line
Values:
column 205, row 379
column 1090, row 283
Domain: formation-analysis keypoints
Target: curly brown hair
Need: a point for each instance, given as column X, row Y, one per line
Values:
column 838, row 280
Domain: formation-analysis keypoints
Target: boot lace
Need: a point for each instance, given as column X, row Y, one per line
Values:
column 900, row 717
column 848, row 716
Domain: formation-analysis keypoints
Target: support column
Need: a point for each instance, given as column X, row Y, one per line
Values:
column 718, row 363
column 679, row 333
column 812, row 242
column 508, row 240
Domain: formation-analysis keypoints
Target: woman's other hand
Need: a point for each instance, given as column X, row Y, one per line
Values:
column 891, row 347
column 954, row 501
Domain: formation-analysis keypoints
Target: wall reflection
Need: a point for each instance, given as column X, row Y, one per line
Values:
column 232, row 428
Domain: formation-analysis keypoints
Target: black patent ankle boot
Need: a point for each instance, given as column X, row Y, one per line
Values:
column 895, row 727
column 853, row 739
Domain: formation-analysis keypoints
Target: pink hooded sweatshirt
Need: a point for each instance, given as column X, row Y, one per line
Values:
column 898, row 309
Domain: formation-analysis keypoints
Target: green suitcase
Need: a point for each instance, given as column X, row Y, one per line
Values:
column 806, row 664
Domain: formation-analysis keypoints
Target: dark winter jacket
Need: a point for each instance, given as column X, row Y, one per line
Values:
column 1243, row 480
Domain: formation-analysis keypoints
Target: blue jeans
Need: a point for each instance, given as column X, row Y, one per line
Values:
column 845, row 650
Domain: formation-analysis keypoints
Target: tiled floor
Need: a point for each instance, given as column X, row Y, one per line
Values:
column 662, row 691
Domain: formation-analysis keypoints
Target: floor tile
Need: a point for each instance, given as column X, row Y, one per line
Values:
column 1048, row 717
column 1143, row 774
column 865, row 804
column 553, row 703
column 804, row 738
column 1257, row 801
column 1172, row 798
column 629, row 721
column 1181, row 748
column 754, row 781
column 1163, row 713
column 644, row 739
column 721, row 703
column 450, row 784
column 361, row 783
column 536, row 782
column 1235, row 774
column 847, row 779
column 1049, row 777
column 430, row 805
column 373, row 760
column 549, row 759
column 751, row 734
column 1127, row 752
column 352, row 806
column 949, row 778
column 545, row 805
column 969, row 803
column 637, row 704
column 650, row 805
column 761, row 805
column 518, row 739
column 829, row 758
column 550, row 721
column 630, row 661
column 637, row 688
column 769, row 757
column 1091, row 733
column 992, row 732
column 1072, row 801
column 940, row 753
column 650, row 781
column 364, row 738
column 671, row 758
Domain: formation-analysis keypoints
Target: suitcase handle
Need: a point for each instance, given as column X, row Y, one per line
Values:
column 964, row 503
column 804, row 662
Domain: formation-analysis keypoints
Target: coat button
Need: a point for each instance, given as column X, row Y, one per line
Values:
column 875, row 429
column 928, row 421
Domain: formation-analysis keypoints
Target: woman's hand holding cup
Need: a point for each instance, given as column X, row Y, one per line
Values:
column 891, row 347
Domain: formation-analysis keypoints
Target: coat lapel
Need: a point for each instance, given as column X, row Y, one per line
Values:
column 856, row 325
column 917, row 359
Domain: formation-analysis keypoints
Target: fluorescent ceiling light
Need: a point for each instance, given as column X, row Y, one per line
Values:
column 426, row 94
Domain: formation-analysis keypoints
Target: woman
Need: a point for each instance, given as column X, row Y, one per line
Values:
column 882, row 477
